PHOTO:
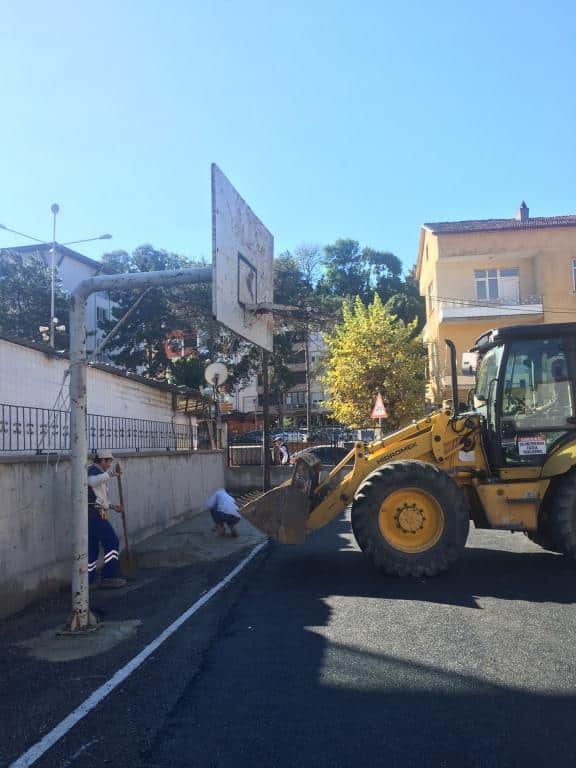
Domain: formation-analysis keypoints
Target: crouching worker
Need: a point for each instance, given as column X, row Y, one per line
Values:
column 224, row 511
column 99, row 529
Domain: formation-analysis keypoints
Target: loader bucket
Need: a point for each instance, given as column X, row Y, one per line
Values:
column 282, row 513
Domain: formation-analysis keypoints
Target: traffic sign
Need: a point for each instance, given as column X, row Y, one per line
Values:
column 379, row 411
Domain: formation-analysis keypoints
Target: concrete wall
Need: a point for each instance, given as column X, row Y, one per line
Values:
column 32, row 378
column 247, row 478
column 36, row 523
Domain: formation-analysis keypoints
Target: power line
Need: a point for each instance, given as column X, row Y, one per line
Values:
column 519, row 308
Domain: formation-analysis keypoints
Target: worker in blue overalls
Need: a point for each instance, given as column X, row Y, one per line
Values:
column 100, row 531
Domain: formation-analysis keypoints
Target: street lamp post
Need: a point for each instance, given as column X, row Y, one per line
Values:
column 55, row 208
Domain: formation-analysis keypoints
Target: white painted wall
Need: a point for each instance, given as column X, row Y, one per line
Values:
column 36, row 521
column 32, row 378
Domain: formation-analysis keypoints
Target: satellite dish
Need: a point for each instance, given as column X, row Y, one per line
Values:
column 216, row 374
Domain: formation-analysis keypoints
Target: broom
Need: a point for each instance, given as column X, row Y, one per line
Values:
column 126, row 562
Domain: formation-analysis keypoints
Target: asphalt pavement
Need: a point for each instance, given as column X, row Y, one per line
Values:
column 324, row 662
column 45, row 674
column 310, row 658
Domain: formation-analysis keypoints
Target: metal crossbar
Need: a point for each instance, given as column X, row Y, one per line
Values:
column 43, row 430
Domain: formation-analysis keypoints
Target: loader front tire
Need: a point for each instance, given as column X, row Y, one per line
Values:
column 561, row 510
column 410, row 519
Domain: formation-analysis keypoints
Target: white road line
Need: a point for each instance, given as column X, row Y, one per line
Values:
column 42, row 746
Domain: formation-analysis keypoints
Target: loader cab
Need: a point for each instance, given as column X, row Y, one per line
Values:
column 525, row 392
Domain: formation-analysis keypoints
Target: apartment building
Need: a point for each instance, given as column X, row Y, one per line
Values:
column 73, row 267
column 482, row 274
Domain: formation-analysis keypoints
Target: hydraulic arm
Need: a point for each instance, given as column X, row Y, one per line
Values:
column 309, row 500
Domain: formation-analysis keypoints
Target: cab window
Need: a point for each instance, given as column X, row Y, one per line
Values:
column 487, row 373
column 537, row 391
column 537, row 406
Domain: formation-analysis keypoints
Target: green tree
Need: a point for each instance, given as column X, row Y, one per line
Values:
column 346, row 273
column 25, row 298
column 140, row 344
column 351, row 271
column 187, row 372
column 292, row 288
column 372, row 351
column 290, row 284
column 407, row 304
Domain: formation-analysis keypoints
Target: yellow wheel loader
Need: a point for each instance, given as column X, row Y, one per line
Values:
column 507, row 463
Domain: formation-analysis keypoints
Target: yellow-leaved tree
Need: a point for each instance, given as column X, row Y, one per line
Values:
column 373, row 351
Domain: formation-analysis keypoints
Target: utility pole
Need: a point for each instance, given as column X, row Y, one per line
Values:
column 81, row 620
column 308, row 379
column 265, row 422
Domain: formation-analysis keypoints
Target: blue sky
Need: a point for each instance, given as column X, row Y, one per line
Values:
column 332, row 119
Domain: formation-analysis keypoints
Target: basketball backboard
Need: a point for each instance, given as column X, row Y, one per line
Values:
column 242, row 263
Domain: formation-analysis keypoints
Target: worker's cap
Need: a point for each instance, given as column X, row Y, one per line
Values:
column 277, row 440
column 104, row 454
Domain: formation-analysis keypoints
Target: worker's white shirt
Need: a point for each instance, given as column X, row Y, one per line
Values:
column 98, row 480
column 223, row 502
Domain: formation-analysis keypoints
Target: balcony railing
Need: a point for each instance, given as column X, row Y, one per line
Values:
column 469, row 308
column 24, row 429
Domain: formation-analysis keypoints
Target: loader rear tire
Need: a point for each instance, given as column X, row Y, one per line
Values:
column 561, row 504
column 410, row 519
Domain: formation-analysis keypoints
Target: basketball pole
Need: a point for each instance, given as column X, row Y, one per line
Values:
column 81, row 620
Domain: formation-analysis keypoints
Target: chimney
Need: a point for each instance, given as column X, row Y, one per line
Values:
column 523, row 213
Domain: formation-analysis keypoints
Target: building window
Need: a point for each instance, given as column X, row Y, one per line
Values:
column 296, row 398
column 494, row 284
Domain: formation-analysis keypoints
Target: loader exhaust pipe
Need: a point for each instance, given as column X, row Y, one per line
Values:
column 454, row 376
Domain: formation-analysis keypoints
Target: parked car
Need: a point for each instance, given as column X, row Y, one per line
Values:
column 292, row 436
column 254, row 437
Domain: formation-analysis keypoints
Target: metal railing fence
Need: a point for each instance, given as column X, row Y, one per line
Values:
column 43, row 430
column 329, row 443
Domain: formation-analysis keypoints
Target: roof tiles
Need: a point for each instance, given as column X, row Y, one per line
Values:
column 497, row 225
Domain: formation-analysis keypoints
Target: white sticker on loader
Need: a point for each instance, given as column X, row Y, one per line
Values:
column 466, row 455
column 532, row 445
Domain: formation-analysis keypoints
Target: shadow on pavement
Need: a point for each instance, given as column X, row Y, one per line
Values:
column 292, row 682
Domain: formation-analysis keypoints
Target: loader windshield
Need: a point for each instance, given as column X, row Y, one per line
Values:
column 537, row 405
column 537, row 388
